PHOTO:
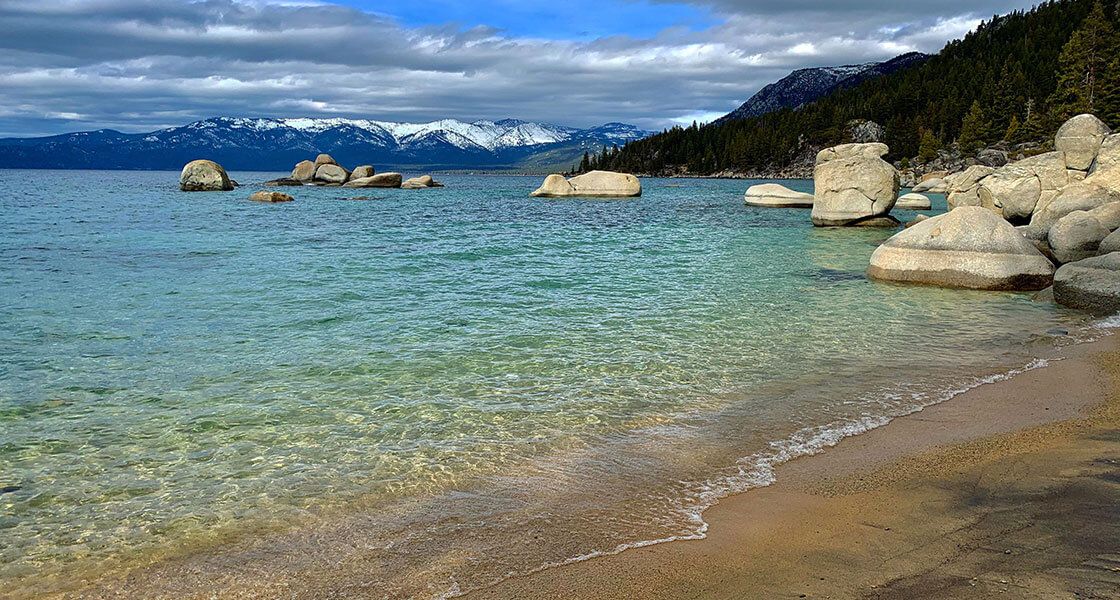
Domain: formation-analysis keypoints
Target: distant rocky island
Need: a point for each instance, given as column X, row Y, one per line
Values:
column 276, row 144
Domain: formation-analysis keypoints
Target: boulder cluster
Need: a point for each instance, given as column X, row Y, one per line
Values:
column 1049, row 218
column 207, row 176
column 326, row 172
column 853, row 186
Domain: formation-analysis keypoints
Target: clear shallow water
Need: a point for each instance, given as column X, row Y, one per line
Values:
column 448, row 384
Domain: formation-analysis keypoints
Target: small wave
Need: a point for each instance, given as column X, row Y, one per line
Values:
column 758, row 470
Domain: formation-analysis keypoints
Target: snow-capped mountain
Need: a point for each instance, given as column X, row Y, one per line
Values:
column 277, row 144
column 805, row 86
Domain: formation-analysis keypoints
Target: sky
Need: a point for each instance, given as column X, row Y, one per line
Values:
column 140, row 65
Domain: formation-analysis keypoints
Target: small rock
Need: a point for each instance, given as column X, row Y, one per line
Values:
column 270, row 197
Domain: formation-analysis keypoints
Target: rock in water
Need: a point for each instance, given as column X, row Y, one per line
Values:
column 324, row 159
column 304, row 171
column 331, row 173
column 1092, row 284
column 776, row 196
column 270, row 197
column 381, row 180
column 416, row 183
column 1080, row 138
column 204, row 176
column 362, row 172
column 288, row 181
column 969, row 247
column 853, row 183
column 595, row 184
column 912, row 201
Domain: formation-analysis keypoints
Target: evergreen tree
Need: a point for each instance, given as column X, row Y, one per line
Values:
column 973, row 129
column 1012, row 129
column 585, row 164
column 927, row 148
column 1082, row 65
column 1108, row 109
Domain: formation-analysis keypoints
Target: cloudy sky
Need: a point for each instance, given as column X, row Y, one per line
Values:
column 137, row 65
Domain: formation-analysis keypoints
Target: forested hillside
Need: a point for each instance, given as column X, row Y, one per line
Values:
column 1015, row 78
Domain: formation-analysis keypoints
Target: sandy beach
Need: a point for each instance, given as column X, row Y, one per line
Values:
column 1011, row 489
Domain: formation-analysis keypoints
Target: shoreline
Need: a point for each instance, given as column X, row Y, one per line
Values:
column 870, row 515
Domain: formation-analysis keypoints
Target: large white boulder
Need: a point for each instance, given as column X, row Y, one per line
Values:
column 776, row 196
column 1109, row 155
column 1077, row 196
column 1092, row 284
column 595, row 184
column 852, row 183
column 204, row 176
column 1080, row 139
column 969, row 247
column 1014, row 190
column 1076, row 236
column 331, row 173
column 964, row 187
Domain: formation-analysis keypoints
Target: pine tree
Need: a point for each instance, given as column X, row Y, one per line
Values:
column 927, row 147
column 1012, row 129
column 1108, row 109
column 1082, row 65
column 585, row 164
column 973, row 129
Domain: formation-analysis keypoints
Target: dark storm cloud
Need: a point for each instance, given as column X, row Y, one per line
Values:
column 142, row 64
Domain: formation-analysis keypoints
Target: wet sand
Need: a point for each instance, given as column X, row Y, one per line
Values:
column 1009, row 490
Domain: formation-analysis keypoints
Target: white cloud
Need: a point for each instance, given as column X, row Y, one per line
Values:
column 141, row 64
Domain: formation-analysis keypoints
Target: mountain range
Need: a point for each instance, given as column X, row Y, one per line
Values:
column 805, row 86
column 277, row 144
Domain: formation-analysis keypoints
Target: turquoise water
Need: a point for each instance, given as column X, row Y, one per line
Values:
column 446, row 386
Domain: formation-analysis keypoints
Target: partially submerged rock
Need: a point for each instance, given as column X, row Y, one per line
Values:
column 970, row 247
column 912, row 201
column 283, row 181
column 381, row 180
column 204, row 176
column 853, row 183
column 1080, row 138
column 416, row 183
column 595, row 184
column 270, row 197
column 1092, row 284
column 776, row 196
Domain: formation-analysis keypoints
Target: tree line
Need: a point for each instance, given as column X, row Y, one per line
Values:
column 1015, row 78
